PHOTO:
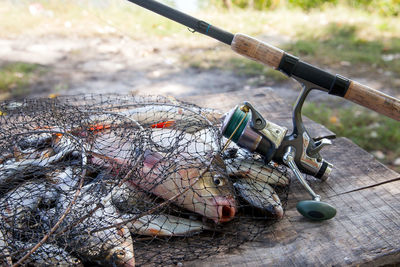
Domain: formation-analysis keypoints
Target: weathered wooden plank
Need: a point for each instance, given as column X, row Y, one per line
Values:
column 366, row 229
column 354, row 168
column 359, row 234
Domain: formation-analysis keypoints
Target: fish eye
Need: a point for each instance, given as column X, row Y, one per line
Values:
column 218, row 180
column 120, row 254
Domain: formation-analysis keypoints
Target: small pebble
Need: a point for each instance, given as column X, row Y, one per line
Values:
column 373, row 134
column 378, row 154
column 396, row 162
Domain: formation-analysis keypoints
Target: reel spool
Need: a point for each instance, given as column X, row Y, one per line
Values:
column 237, row 127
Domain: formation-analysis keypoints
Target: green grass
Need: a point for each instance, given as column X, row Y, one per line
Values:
column 244, row 66
column 130, row 20
column 343, row 42
column 226, row 60
column 369, row 130
column 15, row 78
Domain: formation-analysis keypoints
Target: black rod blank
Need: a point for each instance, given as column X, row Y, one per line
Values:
column 189, row 21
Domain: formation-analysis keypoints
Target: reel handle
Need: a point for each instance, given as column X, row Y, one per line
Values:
column 333, row 84
column 315, row 209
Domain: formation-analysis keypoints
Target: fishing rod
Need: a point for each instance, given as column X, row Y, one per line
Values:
column 284, row 62
column 245, row 126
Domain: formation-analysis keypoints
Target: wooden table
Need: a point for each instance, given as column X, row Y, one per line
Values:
column 366, row 229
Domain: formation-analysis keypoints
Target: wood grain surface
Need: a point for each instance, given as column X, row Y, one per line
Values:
column 373, row 99
column 366, row 229
column 257, row 50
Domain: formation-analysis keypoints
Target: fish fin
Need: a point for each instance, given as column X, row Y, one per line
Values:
column 164, row 124
column 151, row 158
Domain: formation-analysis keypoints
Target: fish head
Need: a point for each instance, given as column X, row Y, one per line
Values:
column 122, row 254
column 210, row 193
column 213, row 193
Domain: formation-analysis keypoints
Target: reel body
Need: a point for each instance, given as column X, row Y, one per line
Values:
column 245, row 126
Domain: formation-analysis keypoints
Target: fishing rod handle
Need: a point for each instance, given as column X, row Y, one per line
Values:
column 336, row 85
column 374, row 100
column 256, row 50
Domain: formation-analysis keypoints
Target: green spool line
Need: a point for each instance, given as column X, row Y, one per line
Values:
column 235, row 120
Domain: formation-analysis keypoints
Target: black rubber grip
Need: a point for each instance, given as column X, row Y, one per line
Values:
column 288, row 64
column 292, row 66
column 313, row 74
column 339, row 86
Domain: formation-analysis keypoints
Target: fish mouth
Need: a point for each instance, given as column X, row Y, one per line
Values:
column 129, row 263
column 278, row 211
column 225, row 209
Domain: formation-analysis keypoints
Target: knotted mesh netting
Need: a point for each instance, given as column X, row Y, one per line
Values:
column 114, row 180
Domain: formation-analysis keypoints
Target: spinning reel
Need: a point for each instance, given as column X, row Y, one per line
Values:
column 245, row 126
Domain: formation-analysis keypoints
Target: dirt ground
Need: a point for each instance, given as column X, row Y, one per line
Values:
column 122, row 65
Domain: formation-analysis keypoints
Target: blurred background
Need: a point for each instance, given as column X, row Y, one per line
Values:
column 58, row 47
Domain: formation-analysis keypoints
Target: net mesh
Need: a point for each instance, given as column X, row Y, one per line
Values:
column 113, row 180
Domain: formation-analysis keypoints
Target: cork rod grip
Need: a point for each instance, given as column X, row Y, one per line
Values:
column 375, row 100
column 257, row 50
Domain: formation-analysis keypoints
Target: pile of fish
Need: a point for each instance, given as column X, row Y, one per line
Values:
column 119, row 181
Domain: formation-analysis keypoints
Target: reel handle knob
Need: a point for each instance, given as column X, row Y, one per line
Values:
column 316, row 210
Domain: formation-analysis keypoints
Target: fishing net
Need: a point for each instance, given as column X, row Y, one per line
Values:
column 113, row 180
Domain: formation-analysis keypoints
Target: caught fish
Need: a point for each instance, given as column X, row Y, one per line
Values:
column 13, row 172
column 65, row 179
column 164, row 115
column 202, row 144
column 256, row 170
column 131, row 199
column 134, row 202
column 114, row 244
column 61, row 184
column 210, row 193
column 5, row 157
column 19, row 204
column 259, row 195
column 152, row 113
column 45, row 255
column 166, row 225
column 5, row 258
column 21, row 155
column 211, row 196
column 35, row 141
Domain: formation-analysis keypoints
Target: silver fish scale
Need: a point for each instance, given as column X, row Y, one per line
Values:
column 121, row 180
